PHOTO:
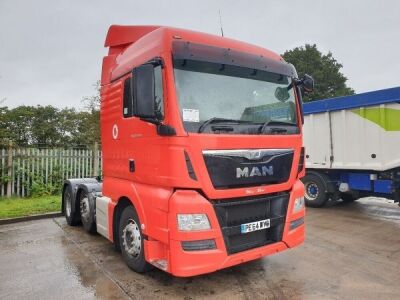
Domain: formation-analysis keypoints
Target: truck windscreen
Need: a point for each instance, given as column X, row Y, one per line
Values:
column 221, row 98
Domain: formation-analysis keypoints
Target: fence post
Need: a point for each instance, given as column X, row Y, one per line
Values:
column 96, row 159
column 9, row 169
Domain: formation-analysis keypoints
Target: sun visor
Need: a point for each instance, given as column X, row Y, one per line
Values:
column 227, row 56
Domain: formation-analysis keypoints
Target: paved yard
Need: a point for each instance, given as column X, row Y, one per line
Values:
column 352, row 251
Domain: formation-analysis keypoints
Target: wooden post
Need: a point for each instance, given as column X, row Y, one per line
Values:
column 96, row 159
column 9, row 169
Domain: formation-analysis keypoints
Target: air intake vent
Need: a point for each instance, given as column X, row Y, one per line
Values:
column 189, row 167
column 301, row 161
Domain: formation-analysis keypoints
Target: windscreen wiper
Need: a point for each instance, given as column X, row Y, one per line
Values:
column 279, row 123
column 219, row 120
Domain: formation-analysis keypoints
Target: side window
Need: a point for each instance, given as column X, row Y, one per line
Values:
column 158, row 93
column 127, row 101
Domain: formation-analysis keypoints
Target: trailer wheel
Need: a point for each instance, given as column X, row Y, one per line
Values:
column 70, row 215
column 131, row 241
column 315, row 191
column 87, row 209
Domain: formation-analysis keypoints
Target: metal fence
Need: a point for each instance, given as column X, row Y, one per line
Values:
column 23, row 170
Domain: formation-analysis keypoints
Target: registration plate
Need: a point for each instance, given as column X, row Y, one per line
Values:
column 254, row 226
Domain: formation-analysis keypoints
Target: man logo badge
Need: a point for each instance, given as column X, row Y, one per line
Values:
column 254, row 171
column 254, row 155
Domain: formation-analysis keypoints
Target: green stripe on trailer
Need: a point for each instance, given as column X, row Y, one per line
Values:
column 387, row 118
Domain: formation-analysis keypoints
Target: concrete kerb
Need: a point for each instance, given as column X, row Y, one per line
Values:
column 30, row 218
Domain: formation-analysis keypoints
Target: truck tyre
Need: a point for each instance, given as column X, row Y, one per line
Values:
column 315, row 191
column 131, row 241
column 88, row 211
column 71, row 215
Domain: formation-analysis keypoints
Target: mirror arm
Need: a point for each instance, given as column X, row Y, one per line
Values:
column 158, row 61
column 298, row 82
column 300, row 99
column 165, row 130
column 162, row 129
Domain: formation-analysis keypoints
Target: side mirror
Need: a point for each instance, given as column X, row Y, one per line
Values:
column 307, row 83
column 143, row 91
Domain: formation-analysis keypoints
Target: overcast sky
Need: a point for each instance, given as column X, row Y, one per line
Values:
column 51, row 51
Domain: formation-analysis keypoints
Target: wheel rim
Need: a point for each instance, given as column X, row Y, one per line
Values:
column 132, row 239
column 85, row 209
column 67, row 198
column 312, row 191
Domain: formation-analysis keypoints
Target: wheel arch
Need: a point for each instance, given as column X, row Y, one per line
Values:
column 124, row 192
column 122, row 203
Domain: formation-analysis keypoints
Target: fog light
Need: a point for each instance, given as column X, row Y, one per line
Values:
column 193, row 222
column 296, row 223
column 199, row 245
column 298, row 204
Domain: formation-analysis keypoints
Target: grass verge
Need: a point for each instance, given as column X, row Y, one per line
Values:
column 20, row 207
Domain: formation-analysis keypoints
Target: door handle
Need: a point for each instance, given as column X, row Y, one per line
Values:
column 131, row 165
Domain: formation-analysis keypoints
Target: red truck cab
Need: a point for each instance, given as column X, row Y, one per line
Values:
column 202, row 152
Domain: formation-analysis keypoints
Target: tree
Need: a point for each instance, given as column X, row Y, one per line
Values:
column 48, row 126
column 4, row 130
column 44, row 130
column 91, row 117
column 325, row 69
column 17, row 124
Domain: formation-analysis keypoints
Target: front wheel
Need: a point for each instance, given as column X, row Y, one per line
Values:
column 315, row 195
column 131, row 241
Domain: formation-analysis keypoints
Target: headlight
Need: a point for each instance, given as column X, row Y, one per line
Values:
column 298, row 204
column 193, row 222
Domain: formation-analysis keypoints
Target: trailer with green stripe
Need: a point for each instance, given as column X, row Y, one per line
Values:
column 352, row 147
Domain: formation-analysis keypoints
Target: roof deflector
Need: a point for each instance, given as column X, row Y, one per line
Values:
column 120, row 35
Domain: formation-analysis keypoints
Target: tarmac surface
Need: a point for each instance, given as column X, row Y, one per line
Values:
column 352, row 251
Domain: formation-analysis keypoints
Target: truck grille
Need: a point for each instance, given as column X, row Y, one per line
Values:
column 248, row 167
column 234, row 212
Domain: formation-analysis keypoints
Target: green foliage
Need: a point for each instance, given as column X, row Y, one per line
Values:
column 18, row 207
column 47, row 126
column 37, row 184
column 325, row 69
column 92, row 121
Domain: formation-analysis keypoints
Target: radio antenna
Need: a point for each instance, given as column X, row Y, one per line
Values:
column 220, row 22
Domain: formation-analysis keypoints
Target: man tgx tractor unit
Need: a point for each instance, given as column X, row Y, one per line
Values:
column 352, row 147
column 202, row 152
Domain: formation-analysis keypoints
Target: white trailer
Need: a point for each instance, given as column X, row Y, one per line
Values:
column 352, row 147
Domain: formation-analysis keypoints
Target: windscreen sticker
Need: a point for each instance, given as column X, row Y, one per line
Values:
column 190, row 115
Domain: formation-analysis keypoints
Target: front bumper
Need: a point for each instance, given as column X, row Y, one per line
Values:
column 190, row 263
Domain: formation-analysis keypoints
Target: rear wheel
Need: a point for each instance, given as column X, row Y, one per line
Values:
column 131, row 241
column 87, row 209
column 315, row 194
column 71, row 215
